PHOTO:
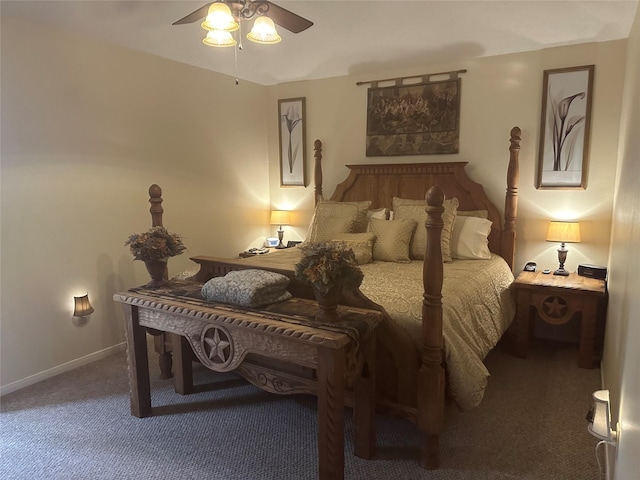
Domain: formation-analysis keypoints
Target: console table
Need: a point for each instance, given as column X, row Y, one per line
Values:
column 279, row 348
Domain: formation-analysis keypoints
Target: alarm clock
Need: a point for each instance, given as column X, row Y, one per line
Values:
column 592, row 271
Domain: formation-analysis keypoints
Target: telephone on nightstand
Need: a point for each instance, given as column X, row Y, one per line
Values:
column 258, row 251
column 271, row 242
column 530, row 267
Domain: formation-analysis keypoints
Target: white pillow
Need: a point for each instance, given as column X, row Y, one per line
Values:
column 469, row 238
column 380, row 213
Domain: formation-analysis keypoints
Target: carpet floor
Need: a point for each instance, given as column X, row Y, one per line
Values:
column 531, row 425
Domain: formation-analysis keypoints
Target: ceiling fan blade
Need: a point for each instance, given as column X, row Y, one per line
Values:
column 286, row 19
column 194, row 16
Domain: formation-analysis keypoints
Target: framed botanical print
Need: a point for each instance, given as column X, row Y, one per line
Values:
column 564, row 128
column 291, row 116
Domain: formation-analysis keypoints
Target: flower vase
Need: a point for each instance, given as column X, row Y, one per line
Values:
column 156, row 269
column 328, row 304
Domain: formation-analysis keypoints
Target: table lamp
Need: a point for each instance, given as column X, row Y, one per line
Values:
column 563, row 232
column 280, row 218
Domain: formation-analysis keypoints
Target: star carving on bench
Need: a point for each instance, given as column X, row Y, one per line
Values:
column 555, row 307
column 217, row 345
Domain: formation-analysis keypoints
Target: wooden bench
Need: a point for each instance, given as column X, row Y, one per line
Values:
column 280, row 349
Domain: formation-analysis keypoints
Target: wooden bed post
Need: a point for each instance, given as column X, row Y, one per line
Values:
column 431, row 376
column 161, row 342
column 317, row 172
column 511, row 199
column 155, row 199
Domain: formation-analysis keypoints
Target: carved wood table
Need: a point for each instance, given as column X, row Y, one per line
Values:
column 279, row 348
column 556, row 299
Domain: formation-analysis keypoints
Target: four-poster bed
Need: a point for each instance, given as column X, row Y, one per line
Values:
column 412, row 380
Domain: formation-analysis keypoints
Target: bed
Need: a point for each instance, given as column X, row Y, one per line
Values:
column 422, row 359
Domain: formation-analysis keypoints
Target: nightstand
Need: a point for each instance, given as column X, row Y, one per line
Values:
column 556, row 300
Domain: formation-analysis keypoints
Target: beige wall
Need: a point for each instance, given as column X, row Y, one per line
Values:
column 86, row 128
column 497, row 93
column 621, row 357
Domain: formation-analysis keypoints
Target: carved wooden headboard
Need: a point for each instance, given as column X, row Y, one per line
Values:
column 381, row 182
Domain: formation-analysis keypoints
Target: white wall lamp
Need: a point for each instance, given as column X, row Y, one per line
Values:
column 599, row 418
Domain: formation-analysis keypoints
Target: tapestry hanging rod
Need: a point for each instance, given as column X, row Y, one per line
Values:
column 426, row 78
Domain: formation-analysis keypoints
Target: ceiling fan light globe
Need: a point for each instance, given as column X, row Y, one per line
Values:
column 219, row 38
column 219, row 18
column 264, row 31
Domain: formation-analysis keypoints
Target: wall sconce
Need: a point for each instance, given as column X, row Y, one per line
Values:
column 280, row 218
column 599, row 418
column 82, row 306
column 563, row 232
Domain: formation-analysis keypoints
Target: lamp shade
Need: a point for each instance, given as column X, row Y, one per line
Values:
column 264, row 31
column 82, row 306
column 219, row 38
column 565, row 232
column 280, row 217
column 219, row 17
column 601, row 422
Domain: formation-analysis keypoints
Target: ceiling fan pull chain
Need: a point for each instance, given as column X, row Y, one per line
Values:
column 235, row 52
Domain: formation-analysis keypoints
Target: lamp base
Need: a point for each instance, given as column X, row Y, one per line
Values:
column 562, row 257
column 280, row 236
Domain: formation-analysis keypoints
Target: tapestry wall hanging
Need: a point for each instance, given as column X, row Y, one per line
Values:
column 414, row 119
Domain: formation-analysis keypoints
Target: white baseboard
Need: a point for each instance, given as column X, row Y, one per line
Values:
column 65, row 367
column 609, row 451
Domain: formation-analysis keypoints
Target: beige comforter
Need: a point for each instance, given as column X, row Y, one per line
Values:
column 477, row 310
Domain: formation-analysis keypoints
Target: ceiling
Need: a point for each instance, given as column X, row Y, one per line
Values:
column 348, row 37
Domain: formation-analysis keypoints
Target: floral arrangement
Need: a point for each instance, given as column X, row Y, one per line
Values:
column 155, row 244
column 327, row 264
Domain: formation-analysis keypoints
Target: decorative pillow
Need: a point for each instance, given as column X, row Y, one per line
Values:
column 330, row 219
column 473, row 213
column 247, row 288
column 360, row 243
column 392, row 239
column 404, row 209
column 380, row 213
column 469, row 238
column 362, row 219
column 397, row 202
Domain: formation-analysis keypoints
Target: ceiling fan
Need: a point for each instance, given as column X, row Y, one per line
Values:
column 224, row 16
